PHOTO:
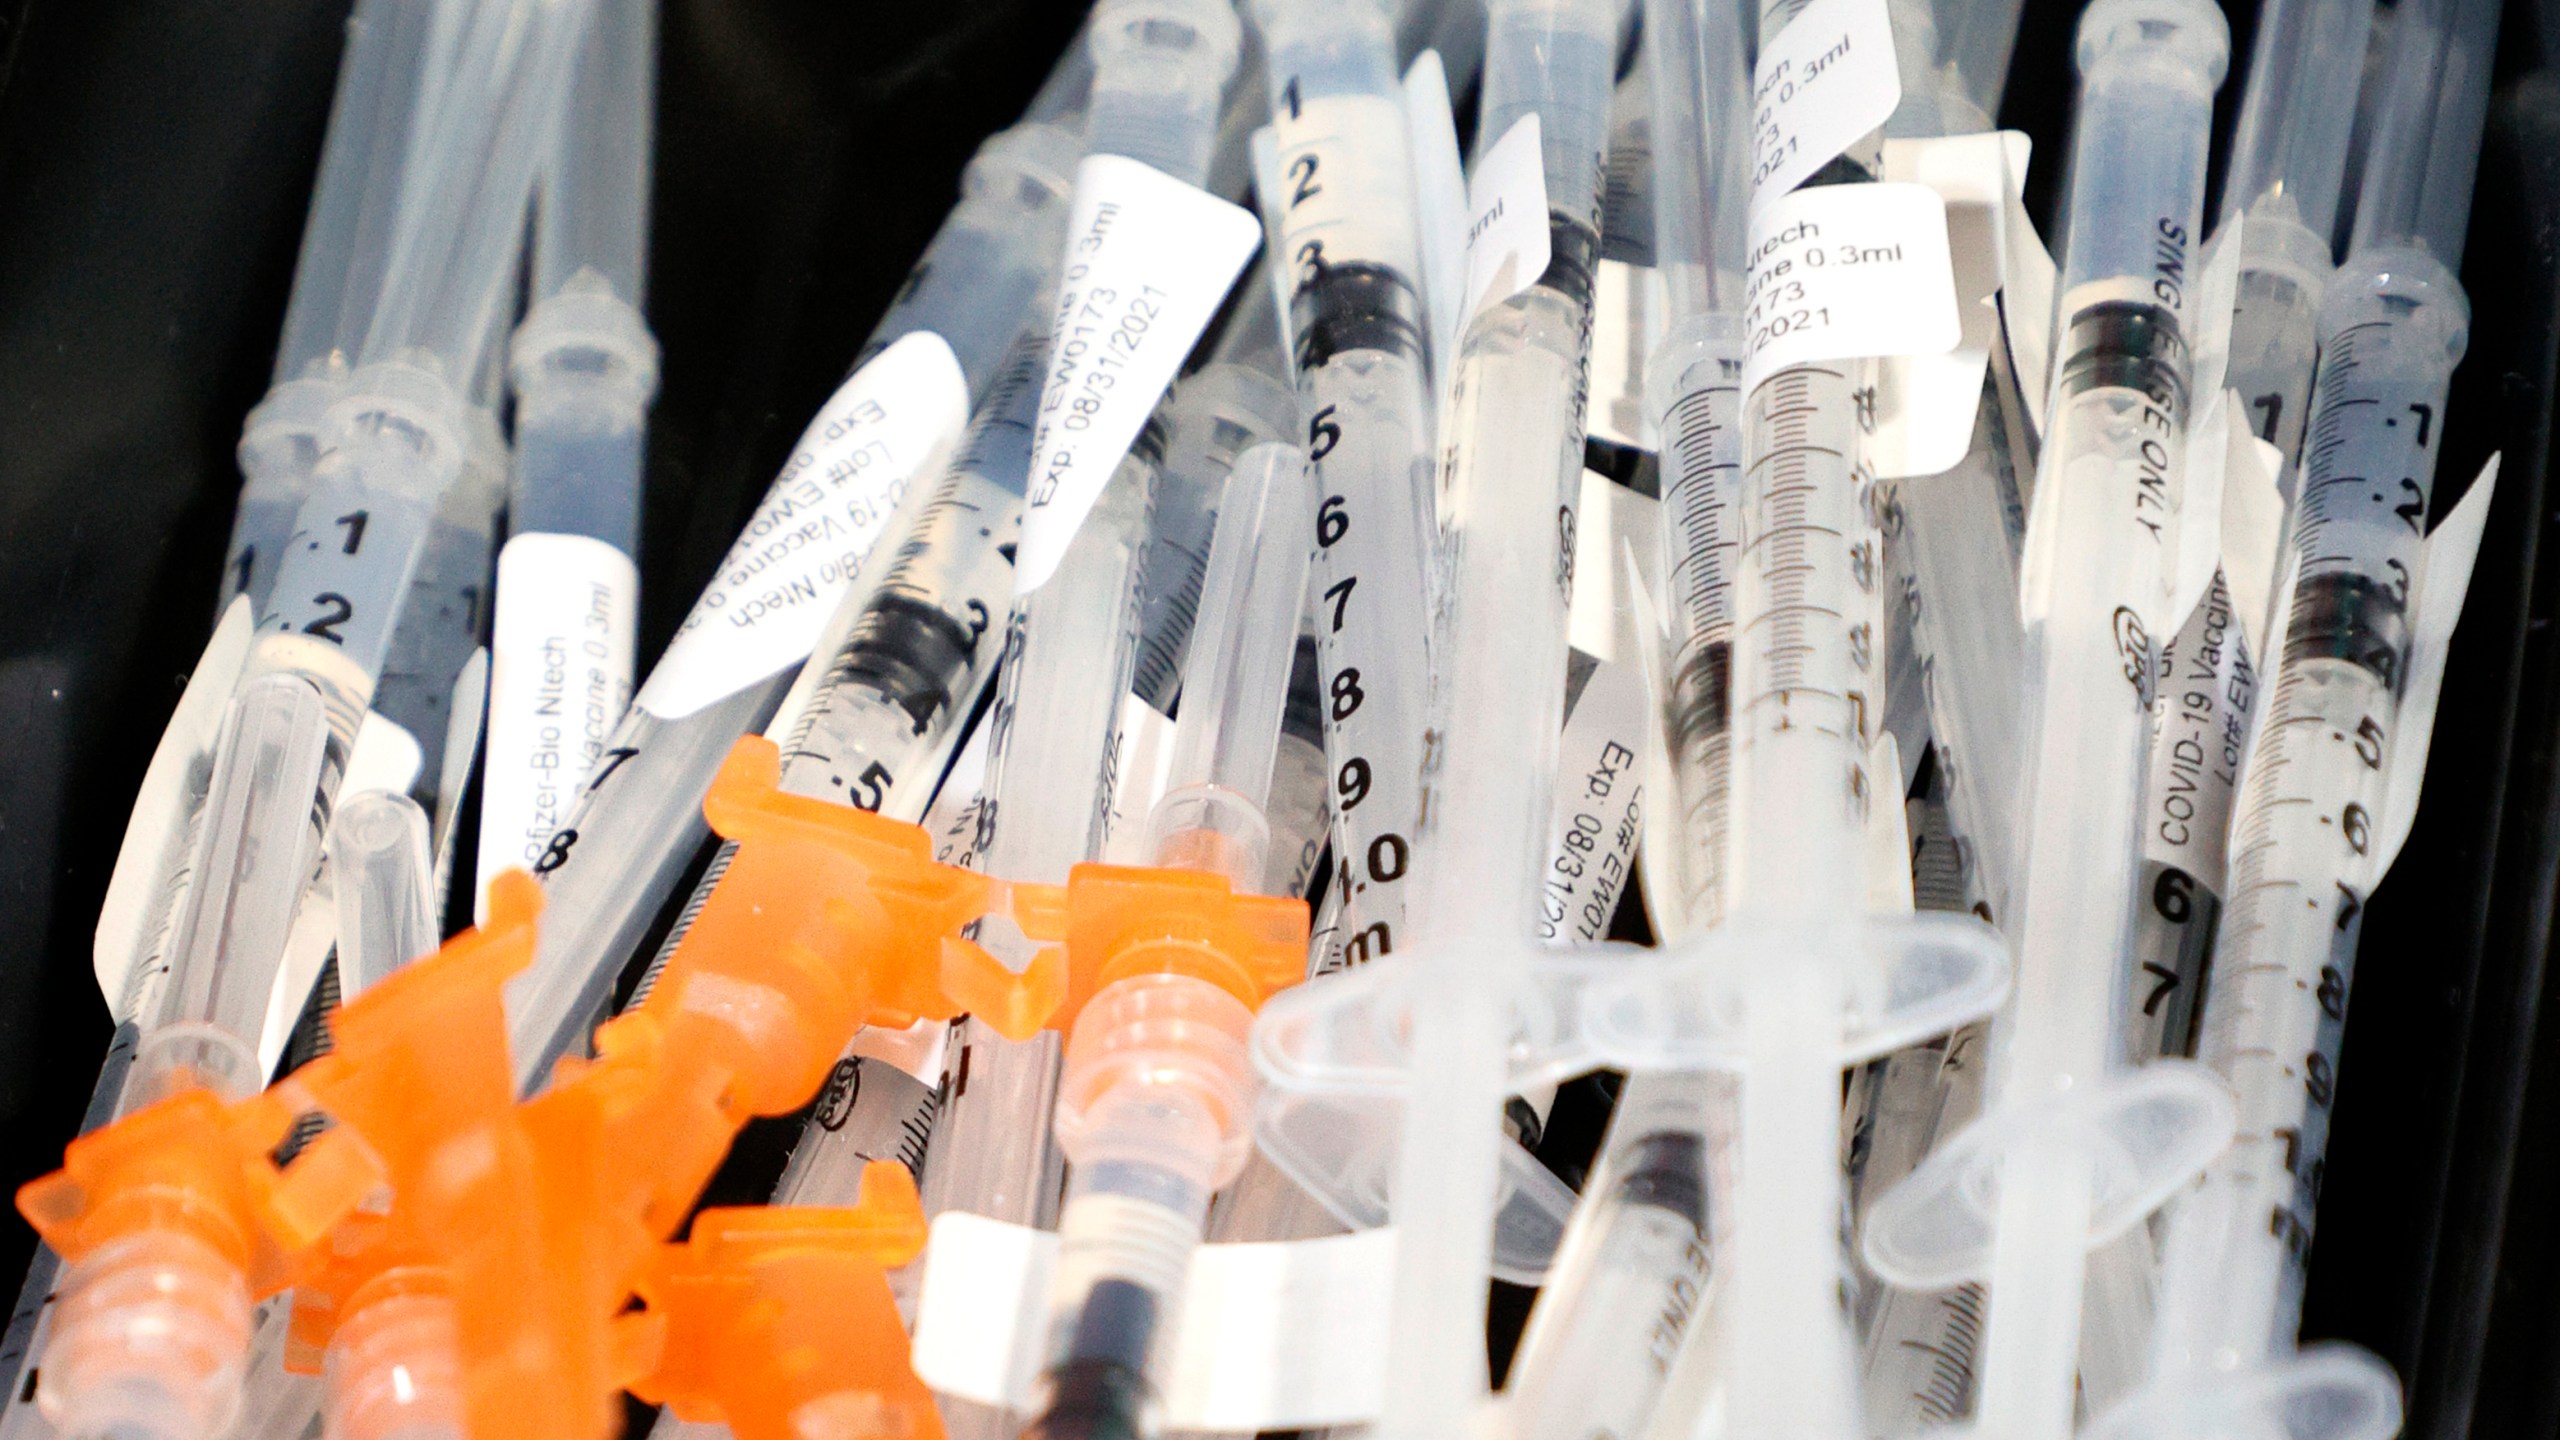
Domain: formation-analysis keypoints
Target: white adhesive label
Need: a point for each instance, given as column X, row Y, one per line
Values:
column 2208, row 689
column 1141, row 761
column 567, row 605
column 1926, row 404
column 1827, row 79
column 2252, row 531
column 2196, row 525
column 156, row 834
column 1508, row 245
column 1610, row 521
column 1598, row 809
column 1630, row 307
column 385, row 757
column 1843, row 271
column 1889, row 879
column 2444, row 579
column 1264, row 148
column 889, row 424
column 1440, row 198
column 1148, row 261
column 1275, row 1335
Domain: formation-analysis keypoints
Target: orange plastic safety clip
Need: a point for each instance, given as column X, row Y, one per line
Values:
column 778, row 1321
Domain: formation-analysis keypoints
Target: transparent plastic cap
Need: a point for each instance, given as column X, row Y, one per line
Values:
column 2189, row 32
column 258, row 848
column 384, row 873
column 1242, row 645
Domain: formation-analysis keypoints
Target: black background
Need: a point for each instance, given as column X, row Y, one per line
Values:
column 155, row 162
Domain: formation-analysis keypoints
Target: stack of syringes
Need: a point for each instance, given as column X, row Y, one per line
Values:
column 1159, row 789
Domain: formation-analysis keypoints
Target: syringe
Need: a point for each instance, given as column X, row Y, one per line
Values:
column 393, row 446
column 1068, row 651
column 1806, row 688
column 1951, row 545
column 584, row 366
column 1160, row 70
column 2074, row 1152
column 1346, row 224
column 1634, row 1265
column 1155, row 1099
column 638, row 814
column 2333, row 773
column 345, row 244
column 2286, row 162
column 1513, row 467
column 382, row 78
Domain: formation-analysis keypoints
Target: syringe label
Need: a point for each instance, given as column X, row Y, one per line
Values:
column 560, row 678
column 1508, row 241
column 346, row 569
column 1840, row 272
column 1148, row 260
column 1821, row 83
column 780, row 582
column 2208, row 693
column 1598, row 812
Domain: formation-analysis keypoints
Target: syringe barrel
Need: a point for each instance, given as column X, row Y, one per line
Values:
column 1160, row 68
column 2425, row 151
column 592, row 215
column 1339, row 120
column 1214, row 416
column 446, row 609
column 1701, row 85
column 385, row 887
column 2289, row 156
column 463, row 219
column 1218, row 788
column 1068, row 651
column 2393, row 327
column 1554, row 59
column 259, row 845
column 2148, row 69
column 1694, row 384
column 1978, row 36
column 1632, row 1270
column 1514, row 468
column 382, row 77
column 986, row 267
column 2284, row 270
column 634, row 826
column 585, row 367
